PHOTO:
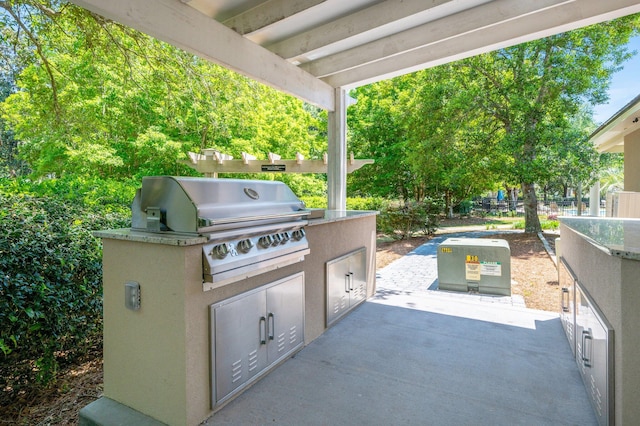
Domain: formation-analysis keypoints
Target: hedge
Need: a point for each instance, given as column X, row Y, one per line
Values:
column 50, row 284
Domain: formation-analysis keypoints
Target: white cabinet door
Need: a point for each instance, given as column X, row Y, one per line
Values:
column 239, row 342
column 594, row 350
column 337, row 290
column 285, row 318
column 567, row 302
column 252, row 331
column 358, row 276
column 346, row 283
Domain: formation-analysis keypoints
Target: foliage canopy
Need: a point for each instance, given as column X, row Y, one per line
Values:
column 518, row 116
column 92, row 97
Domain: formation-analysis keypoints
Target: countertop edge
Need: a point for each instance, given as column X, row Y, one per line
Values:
column 341, row 215
column 127, row 234
column 615, row 250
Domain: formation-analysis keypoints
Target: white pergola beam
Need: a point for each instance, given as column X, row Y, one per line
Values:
column 338, row 30
column 268, row 13
column 183, row 26
column 552, row 20
column 469, row 22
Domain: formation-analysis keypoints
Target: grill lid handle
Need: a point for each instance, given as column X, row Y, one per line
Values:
column 203, row 221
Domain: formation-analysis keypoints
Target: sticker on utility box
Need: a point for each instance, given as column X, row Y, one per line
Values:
column 493, row 269
column 472, row 268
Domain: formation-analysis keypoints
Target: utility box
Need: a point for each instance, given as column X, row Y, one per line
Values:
column 475, row 264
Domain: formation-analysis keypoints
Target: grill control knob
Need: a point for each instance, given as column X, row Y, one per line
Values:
column 265, row 241
column 220, row 251
column 298, row 234
column 277, row 239
column 245, row 245
column 285, row 237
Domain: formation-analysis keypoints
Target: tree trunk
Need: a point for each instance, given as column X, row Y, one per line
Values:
column 531, row 220
column 449, row 206
column 579, row 200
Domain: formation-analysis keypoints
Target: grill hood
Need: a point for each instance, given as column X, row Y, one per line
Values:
column 204, row 205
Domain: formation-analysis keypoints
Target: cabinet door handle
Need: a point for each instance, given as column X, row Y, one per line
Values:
column 263, row 330
column 586, row 360
column 347, row 286
column 350, row 280
column 271, row 326
column 565, row 292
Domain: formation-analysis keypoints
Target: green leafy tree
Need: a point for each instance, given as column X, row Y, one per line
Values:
column 376, row 130
column 533, row 90
column 94, row 97
column 612, row 173
column 426, row 137
column 573, row 158
column 513, row 115
column 453, row 147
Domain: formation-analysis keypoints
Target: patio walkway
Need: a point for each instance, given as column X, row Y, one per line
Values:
column 415, row 355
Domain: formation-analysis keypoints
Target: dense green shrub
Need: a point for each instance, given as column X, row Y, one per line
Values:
column 549, row 225
column 395, row 220
column 545, row 224
column 402, row 221
column 464, row 207
column 315, row 202
column 369, row 203
column 353, row 203
column 101, row 195
column 50, row 282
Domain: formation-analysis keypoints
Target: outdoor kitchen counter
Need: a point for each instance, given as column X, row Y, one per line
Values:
column 331, row 235
column 157, row 358
column 604, row 255
column 615, row 236
column 127, row 234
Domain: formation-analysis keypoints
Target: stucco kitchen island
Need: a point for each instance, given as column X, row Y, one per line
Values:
column 158, row 361
column 600, row 276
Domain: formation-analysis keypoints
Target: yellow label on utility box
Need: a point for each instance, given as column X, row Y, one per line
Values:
column 446, row 250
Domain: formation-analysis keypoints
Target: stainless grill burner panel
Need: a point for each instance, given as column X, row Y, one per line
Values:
column 229, row 261
column 252, row 226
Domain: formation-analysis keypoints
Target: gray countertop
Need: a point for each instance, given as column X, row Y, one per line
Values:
column 148, row 237
column 338, row 215
column 616, row 236
column 324, row 216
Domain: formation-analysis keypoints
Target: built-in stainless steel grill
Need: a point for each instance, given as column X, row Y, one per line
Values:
column 252, row 226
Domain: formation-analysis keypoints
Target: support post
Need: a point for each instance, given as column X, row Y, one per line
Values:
column 337, row 153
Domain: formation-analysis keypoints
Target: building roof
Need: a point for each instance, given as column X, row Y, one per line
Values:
column 609, row 137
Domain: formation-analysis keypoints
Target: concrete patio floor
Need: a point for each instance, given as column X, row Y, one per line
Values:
column 412, row 356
